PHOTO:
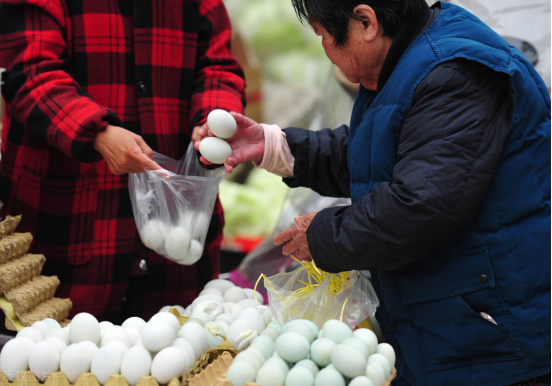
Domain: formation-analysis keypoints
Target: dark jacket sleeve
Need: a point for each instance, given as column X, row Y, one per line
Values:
column 320, row 160
column 449, row 149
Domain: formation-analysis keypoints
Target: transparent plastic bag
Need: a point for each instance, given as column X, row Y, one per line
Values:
column 172, row 216
column 355, row 301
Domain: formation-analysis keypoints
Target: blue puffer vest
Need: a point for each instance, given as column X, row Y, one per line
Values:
column 500, row 264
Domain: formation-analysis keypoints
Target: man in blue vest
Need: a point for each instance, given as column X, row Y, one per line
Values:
column 447, row 162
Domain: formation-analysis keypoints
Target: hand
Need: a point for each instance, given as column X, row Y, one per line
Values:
column 247, row 144
column 298, row 236
column 196, row 136
column 124, row 151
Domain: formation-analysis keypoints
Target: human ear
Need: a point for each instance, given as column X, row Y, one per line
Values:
column 369, row 21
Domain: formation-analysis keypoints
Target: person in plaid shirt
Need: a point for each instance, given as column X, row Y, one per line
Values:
column 91, row 88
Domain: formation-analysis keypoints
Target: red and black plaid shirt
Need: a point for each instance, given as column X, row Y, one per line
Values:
column 154, row 67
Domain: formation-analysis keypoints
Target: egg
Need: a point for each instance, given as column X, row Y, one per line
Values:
column 177, row 243
column 375, row 374
column 240, row 373
column 105, row 325
column 133, row 335
column 215, row 150
column 153, row 233
column 310, row 365
column 60, row 333
column 188, row 311
column 183, row 344
column 52, row 323
column 368, row 337
column 226, row 318
column 299, row 376
column 262, row 347
column 225, row 326
column 388, row 352
column 43, row 360
column 275, row 324
column 211, row 308
column 266, row 312
column 361, row 381
column 348, row 361
column 84, row 327
column 234, row 295
column 384, row 363
column 201, row 315
column 321, row 350
column 267, row 341
column 250, row 358
column 203, row 298
column 42, row 327
column 329, row 377
column 196, row 321
column 359, row 345
column 336, row 331
column 300, row 328
column 221, row 284
column 215, row 334
column 31, row 333
column 157, row 335
column 311, row 325
column 251, row 295
column 211, row 291
column 278, row 362
column 254, row 317
column 248, row 303
column 221, row 123
column 232, row 308
column 135, row 364
column 165, row 309
column 292, row 347
column 105, row 363
column 168, row 363
column 28, row 341
column 196, row 336
column 272, row 333
column 115, row 333
column 270, row 375
column 257, row 353
column 194, row 253
column 59, row 344
column 14, row 358
column 90, row 347
column 119, row 346
column 75, row 360
column 168, row 318
column 241, row 333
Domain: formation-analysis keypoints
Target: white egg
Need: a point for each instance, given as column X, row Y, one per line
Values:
column 348, row 361
column 240, row 373
column 329, row 377
column 257, row 353
column 75, row 360
column 270, row 375
column 153, row 233
column 375, row 373
column 225, row 326
column 105, row 325
column 321, row 350
column 196, row 321
column 211, row 291
column 183, row 344
column 188, row 311
column 194, row 253
column 90, row 347
column 272, row 333
column 221, row 123
column 234, row 294
column 221, row 284
column 232, row 308
column 267, row 341
column 300, row 328
column 310, row 365
column 254, row 317
column 215, row 150
column 84, row 327
column 28, row 341
column 59, row 344
column 196, row 336
column 119, row 346
column 201, row 316
column 299, row 376
column 226, row 318
column 168, row 318
column 292, row 347
column 215, row 334
column 336, row 331
column 387, row 351
column 248, row 303
column 135, row 364
column 115, row 333
column 32, row 333
column 278, row 362
column 177, row 243
column 250, row 358
column 203, row 298
column 310, row 324
column 165, row 309
column 14, row 358
column 359, row 345
column 135, row 322
column 60, row 333
column 42, row 327
column 157, row 335
column 262, row 347
column 361, row 381
column 265, row 311
column 251, row 295
column 384, row 363
column 105, row 363
column 168, row 363
column 211, row 308
column 43, row 360
column 52, row 323
column 368, row 337
column 133, row 335
column 241, row 333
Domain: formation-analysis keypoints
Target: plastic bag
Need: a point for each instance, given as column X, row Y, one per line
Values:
column 355, row 301
column 173, row 216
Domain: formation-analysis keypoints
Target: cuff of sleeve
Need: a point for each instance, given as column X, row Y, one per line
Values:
column 277, row 156
column 322, row 244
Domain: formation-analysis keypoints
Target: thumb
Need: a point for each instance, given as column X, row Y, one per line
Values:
column 242, row 121
column 147, row 163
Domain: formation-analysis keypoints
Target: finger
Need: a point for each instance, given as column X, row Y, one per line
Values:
column 147, row 163
column 204, row 160
column 284, row 236
column 290, row 247
column 228, row 168
column 232, row 161
column 242, row 120
column 144, row 147
column 196, row 145
column 302, row 252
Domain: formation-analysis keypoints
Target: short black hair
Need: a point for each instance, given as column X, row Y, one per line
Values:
column 334, row 15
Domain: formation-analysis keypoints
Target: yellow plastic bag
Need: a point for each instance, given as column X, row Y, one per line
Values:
column 347, row 296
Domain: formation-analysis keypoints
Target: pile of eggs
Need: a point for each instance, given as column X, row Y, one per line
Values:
column 304, row 356
column 222, row 125
column 160, row 347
